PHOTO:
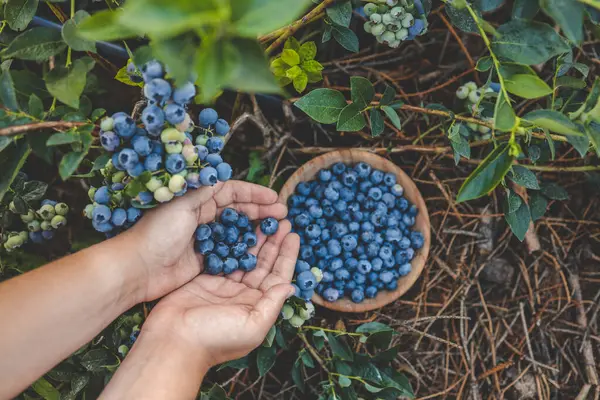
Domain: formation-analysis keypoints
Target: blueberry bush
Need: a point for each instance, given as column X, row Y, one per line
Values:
column 110, row 109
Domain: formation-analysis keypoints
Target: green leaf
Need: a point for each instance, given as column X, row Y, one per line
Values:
column 339, row 348
column 488, row 5
column 323, row 105
column 35, row 107
column 377, row 123
column 525, row 9
column 351, row 119
column 67, row 84
column 292, row 43
column 528, row 42
column 123, row 77
column 504, row 115
column 300, row 82
column 593, row 132
column 388, row 355
column 265, row 359
column 252, row 74
column 461, row 148
column 268, row 342
column 487, row 175
column 518, row 220
column 4, row 142
column 538, row 204
column 33, row 190
column 61, row 138
column 462, row 19
column 344, row 381
column 372, row 327
column 484, row 64
column 392, row 115
column 45, row 389
column 11, row 162
column 524, row 177
column 179, row 54
column 345, row 37
column 312, row 66
column 36, row 44
column 580, row 143
column 297, row 376
column 70, row 34
column 527, row 86
column 568, row 14
column 290, row 57
column 553, row 121
column 95, row 360
column 308, row 51
column 571, row 82
column 103, row 25
column 340, row 13
column 513, row 201
column 260, row 17
column 240, row 363
column 307, row 360
column 19, row 13
column 362, row 91
column 293, row 72
column 554, row 191
column 215, row 65
column 69, row 164
column 389, row 94
column 7, row 91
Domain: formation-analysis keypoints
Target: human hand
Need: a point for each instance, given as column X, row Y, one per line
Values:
column 221, row 318
column 163, row 239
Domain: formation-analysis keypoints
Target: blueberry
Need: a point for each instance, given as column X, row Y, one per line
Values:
column 386, row 276
column 328, row 211
column 230, row 265
column 358, row 295
column 221, row 127
column 124, row 125
column 229, row 216
column 144, row 198
column 413, row 211
column 389, row 179
column 103, row 227
column 404, row 256
column 349, row 178
column 151, row 70
column 351, row 264
column 302, row 220
column 417, row 240
column 327, row 277
column 214, row 265
column 364, row 186
column 158, row 90
column 377, row 264
column 133, row 214
column 184, row 94
column 128, row 158
column 141, row 145
column 174, row 113
column 375, row 193
column 175, row 163
column 214, row 159
column 306, row 252
column 221, row 249
column 239, row 249
column 153, row 117
column 249, row 238
column 101, row 214
column 371, row 292
column 153, row 162
column 340, row 206
column 295, row 201
column 331, row 194
column 269, row 226
column 342, row 274
column 136, row 170
column 339, row 229
column 202, row 152
column 109, row 140
column 313, row 231
column 393, row 285
column 247, row 262
column 325, row 234
column 102, row 195
column 404, row 269
column 217, row 231
column 339, row 168
column 376, row 176
column 301, row 266
column 397, row 190
column 373, row 276
column 224, row 172
column 321, row 252
column 203, row 232
column 331, row 294
column 215, row 144
column 367, row 236
column 47, row 234
column 303, row 188
column 208, row 176
column 306, row 280
column 362, row 169
column 347, row 194
column 307, row 294
column 204, row 246
column 208, row 117
column 364, row 266
column 325, row 175
column 231, row 235
column 315, row 211
column 401, row 204
column 359, row 278
column 408, row 220
column 157, row 147
column 334, row 247
column 243, row 222
column 386, row 251
column 389, row 200
column 417, row 27
column 367, row 226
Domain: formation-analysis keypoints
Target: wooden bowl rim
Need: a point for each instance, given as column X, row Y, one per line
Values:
column 411, row 192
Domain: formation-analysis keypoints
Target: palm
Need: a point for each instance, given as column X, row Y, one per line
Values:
column 165, row 235
column 230, row 315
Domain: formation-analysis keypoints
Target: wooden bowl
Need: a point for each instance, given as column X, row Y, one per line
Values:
column 350, row 157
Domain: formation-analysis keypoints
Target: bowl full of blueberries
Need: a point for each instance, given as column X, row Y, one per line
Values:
column 362, row 223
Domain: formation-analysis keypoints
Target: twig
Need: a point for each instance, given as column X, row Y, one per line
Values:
column 18, row 129
column 526, row 331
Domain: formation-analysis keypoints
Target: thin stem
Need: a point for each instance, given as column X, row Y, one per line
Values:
column 317, row 328
column 18, row 129
column 549, row 168
column 313, row 352
column 356, row 378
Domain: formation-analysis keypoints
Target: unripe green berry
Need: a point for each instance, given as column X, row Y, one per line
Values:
column 397, row 12
column 394, row 43
column 408, row 20
column 176, row 183
column 118, row 177
column 402, row 34
column 471, row 86
column 489, row 90
column 376, row 18
column 123, row 350
column 475, row 96
column 394, row 26
column 317, row 273
column 34, row 226
column 47, row 212
column 391, row 3
column 462, row 93
column 472, row 126
column 382, row 9
column 45, row 225
column 173, row 147
column 387, row 18
column 163, row 194
column 153, row 184
column 378, row 29
column 486, row 136
column 484, row 129
column 370, row 9
column 201, row 140
column 388, row 37
column 12, row 207
column 30, row 216
column 58, row 221
column 190, row 153
column 307, row 312
column 61, row 209
column 183, row 172
column 14, row 241
column 24, row 235
column 87, row 211
column 107, row 124
column 91, row 193
column 172, row 135
column 367, row 26
column 296, row 321
column 287, row 311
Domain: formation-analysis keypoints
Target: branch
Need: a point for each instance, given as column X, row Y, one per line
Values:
column 17, row 129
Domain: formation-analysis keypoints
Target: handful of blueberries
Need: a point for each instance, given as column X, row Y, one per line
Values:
column 355, row 227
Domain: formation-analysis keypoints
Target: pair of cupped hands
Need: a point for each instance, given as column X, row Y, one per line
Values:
column 222, row 317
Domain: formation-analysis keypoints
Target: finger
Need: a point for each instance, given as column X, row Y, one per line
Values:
column 256, row 211
column 244, row 192
column 269, row 306
column 194, row 199
column 267, row 255
column 283, row 269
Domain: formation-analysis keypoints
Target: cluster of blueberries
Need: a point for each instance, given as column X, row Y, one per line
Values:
column 225, row 243
column 41, row 224
column 394, row 21
column 178, row 154
column 473, row 95
column 355, row 227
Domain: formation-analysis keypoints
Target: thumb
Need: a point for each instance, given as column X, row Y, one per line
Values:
column 269, row 306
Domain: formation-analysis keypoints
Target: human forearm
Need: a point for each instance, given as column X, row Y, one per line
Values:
column 159, row 367
column 49, row 313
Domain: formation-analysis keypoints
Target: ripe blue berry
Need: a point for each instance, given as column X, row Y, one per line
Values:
column 249, row 239
column 142, row 145
column 371, row 292
column 103, row 227
column 119, row 217
column 221, row 249
column 110, row 141
column 153, row 162
column 221, row 127
column 218, row 231
column 338, row 168
column 389, row 179
column 215, row 144
column 364, row 266
column 334, row 247
column 128, row 158
column 175, row 163
column 417, row 240
column 153, row 117
column 101, row 214
column 184, row 94
column 404, row 269
column 247, row 262
column 301, row 266
column 214, row 159
column 208, row 176
column 331, row 294
column 158, row 90
column 313, row 231
column 229, row 216
column 133, row 214
column 376, row 177
column 362, row 169
column 239, row 249
column 207, row 117
column 174, row 113
column 136, row 170
column 151, row 70
column 342, row 274
column 204, row 246
column 214, row 265
column 124, row 125
column 102, row 195
column 230, row 265
column 224, row 172
column 358, row 295
column 306, row 280
column 203, row 232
